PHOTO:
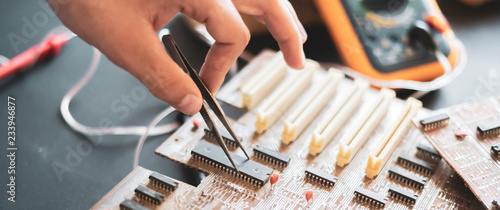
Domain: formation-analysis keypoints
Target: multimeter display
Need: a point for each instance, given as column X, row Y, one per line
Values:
column 382, row 27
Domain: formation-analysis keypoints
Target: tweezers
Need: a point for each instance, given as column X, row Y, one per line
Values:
column 209, row 99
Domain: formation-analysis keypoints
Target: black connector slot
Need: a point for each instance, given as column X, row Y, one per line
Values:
column 132, row 205
column 271, row 156
column 163, row 181
column 436, row 121
column 407, row 178
column 225, row 136
column 428, row 151
column 250, row 171
column 402, row 195
column 149, row 195
column 416, row 164
column 320, row 177
column 495, row 149
column 370, row 197
column 488, row 129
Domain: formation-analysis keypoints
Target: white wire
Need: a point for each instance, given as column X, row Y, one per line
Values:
column 3, row 60
column 125, row 130
column 435, row 84
column 151, row 125
column 93, row 131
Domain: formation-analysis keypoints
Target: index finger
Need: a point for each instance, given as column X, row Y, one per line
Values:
column 281, row 23
column 231, row 35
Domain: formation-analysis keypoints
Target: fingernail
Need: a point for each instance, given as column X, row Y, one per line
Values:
column 303, row 33
column 190, row 104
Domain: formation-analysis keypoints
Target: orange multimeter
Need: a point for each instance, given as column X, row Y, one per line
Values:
column 372, row 37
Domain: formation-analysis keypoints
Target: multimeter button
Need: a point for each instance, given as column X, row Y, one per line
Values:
column 436, row 23
column 385, row 43
column 370, row 31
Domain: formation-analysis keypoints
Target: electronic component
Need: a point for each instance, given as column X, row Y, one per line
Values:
column 264, row 81
column 370, row 197
column 435, row 121
column 274, row 178
column 495, row 149
column 320, row 177
column 407, row 177
column 309, row 195
column 271, row 156
column 225, row 136
column 487, row 129
column 220, row 189
column 460, row 133
column 416, row 164
column 128, row 204
column 391, row 138
column 250, row 171
column 402, row 195
column 284, row 95
column 473, row 158
column 351, row 142
column 336, row 116
column 163, row 181
column 428, row 151
column 149, row 195
column 311, row 106
column 197, row 122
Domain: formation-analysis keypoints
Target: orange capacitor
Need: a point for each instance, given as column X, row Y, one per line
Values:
column 274, row 178
column 309, row 195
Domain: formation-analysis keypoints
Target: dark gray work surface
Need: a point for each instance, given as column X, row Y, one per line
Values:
column 44, row 140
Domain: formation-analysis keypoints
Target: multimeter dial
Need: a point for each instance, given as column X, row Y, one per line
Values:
column 382, row 27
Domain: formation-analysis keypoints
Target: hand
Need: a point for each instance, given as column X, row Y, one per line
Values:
column 125, row 31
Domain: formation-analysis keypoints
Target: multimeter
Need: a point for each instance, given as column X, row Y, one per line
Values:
column 374, row 38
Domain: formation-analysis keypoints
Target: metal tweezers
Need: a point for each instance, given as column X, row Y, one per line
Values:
column 179, row 58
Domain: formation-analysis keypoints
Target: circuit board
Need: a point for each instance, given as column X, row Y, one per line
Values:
column 467, row 136
column 285, row 175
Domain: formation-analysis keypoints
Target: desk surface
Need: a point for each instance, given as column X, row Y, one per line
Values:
column 87, row 169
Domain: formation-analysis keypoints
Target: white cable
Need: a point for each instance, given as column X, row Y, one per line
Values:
column 93, row 131
column 427, row 86
column 151, row 125
column 3, row 60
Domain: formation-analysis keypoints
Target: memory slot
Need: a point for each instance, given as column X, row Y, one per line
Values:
column 391, row 138
column 263, row 81
column 284, row 96
column 363, row 127
column 311, row 106
column 336, row 116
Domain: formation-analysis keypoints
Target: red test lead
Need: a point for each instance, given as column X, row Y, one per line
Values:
column 48, row 48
